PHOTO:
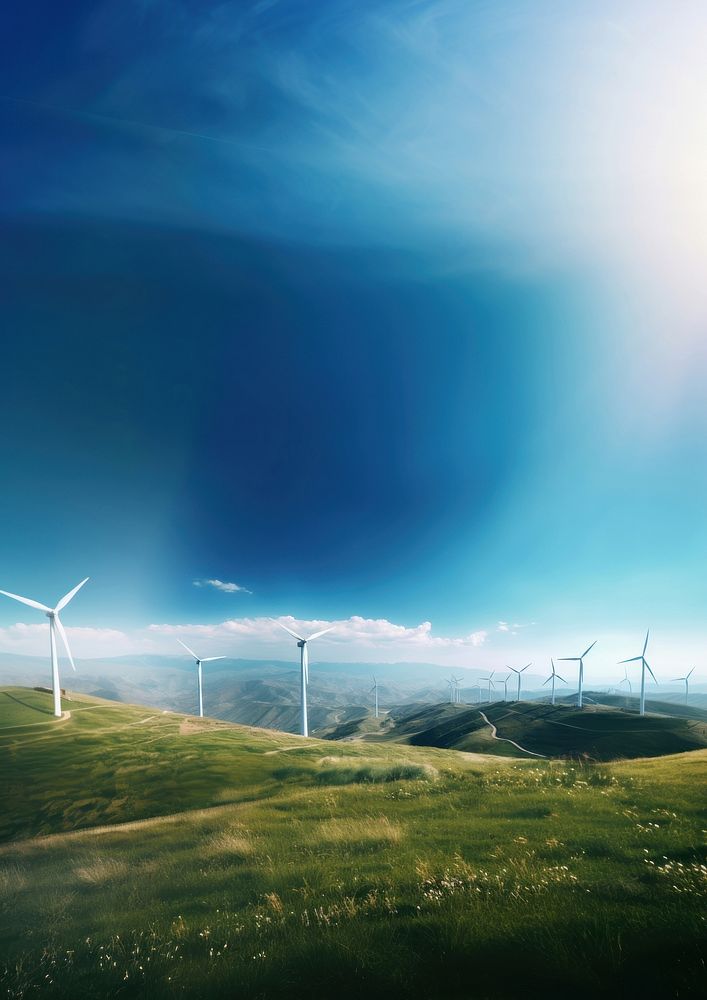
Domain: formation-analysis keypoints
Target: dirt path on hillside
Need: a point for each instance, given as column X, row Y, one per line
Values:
column 504, row 740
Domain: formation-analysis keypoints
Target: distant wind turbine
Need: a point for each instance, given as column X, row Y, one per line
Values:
column 644, row 667
column 505, row 686
column 374, row 691
column 458, row 681
column 687, row 681
column 489, row 679
column 626, row 680
column 204, row 659
column 477, row 688
column 54, row 627
column 304, row 667
column 552, row 677
column 519, row 672
column 580, row 660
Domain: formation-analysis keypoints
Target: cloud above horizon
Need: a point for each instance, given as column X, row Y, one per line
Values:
column 225, row 588
column 352, row 638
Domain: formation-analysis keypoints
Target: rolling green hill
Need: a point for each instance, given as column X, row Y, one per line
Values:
column 599, row 732
column 151, row 854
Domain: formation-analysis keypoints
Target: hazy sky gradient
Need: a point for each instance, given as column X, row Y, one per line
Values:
column 389, row 313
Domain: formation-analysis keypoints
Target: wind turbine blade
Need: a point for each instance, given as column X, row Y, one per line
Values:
column 525, row 667
column 323, row 632
column 210, row 659
column 72, row 593
column 560, row 678
column 689, row 674
column 26, row 600
column 634, row 659
column 589, row 647
column 64, row 639
column 568, row 659
column 293, row 634
column 645, row 644
column 650, row 671
column 547, row 681
column 190, row 651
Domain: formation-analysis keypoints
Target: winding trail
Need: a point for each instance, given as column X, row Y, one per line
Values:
column 502, row 739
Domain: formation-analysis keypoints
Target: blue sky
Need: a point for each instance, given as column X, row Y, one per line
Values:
column 390, row 314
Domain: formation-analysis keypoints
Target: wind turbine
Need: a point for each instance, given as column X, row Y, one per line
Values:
column 644, row 666
column 490, row 682
column 457, row 681
column 54, row 627
column 374, row 690
column 477, row 688
column 580, row 660
column 204, row 659
column 505, row 686
column 304, row 667
column 519, row 672
column 626, row 680
column 552, row 677
column 687, row 681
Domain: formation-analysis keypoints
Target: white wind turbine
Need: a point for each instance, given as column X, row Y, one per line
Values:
column 490, row 682
column 626, row 680
column 505, row 686
column 687, row 681
column 477, row 688
column 519, row 672
column 374, row 691
column 580, row 660
column 304, row 667
column 458, row 681
column 644, row 667
column 204, row 659
column 552, row 677
column 54, row 627
column 451, row 684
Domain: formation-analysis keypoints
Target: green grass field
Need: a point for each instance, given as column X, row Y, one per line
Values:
column 156, row 855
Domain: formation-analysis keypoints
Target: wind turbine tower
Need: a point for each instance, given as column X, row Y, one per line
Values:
column 519, row 672
column 644, row 667
column 687, row 681
column 580, row 660
column 374, row 691
column 204, row 659
column 552, row 677
column 304, row 668
column 54, row 627
column 490, row 682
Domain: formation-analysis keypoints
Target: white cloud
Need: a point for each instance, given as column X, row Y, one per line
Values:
column 514, row 628
column 226, row 588
column 353, row 639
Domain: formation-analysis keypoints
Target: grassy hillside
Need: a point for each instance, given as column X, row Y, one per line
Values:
column 155, row 855
column 599, row 732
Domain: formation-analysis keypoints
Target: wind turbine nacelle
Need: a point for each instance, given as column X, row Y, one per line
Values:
column 301, row 644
